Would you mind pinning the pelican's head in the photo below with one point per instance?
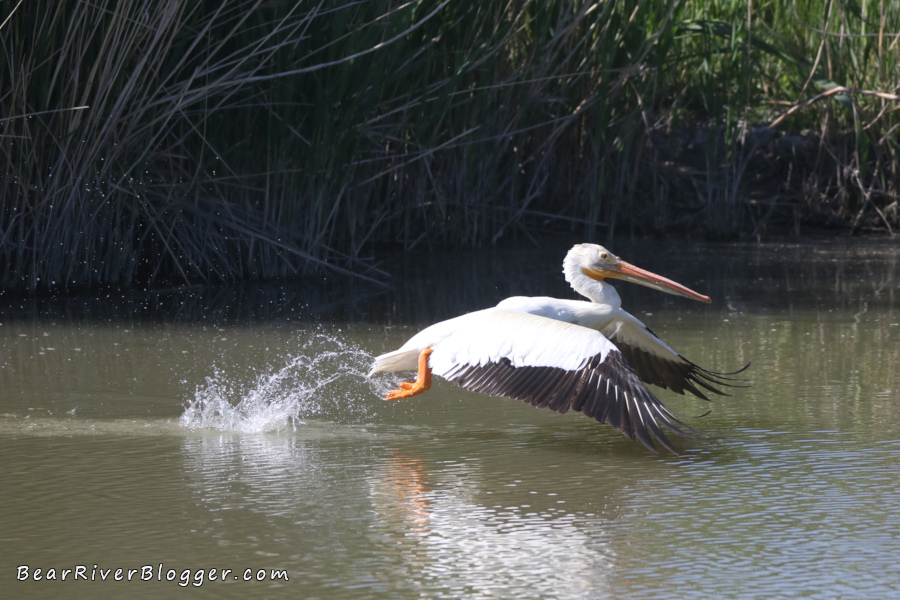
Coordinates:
(599, 263)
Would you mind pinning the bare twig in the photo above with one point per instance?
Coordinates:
(827, 94)
(43, 112)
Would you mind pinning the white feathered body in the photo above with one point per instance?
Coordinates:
(486, 336)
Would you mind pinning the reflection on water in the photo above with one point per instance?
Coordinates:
(252, 439)
(396, 524)
(450, 545)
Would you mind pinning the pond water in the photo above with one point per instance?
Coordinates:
(173, 433)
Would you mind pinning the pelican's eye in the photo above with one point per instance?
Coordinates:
(607, 257)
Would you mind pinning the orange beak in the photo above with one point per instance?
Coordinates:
(628, 272)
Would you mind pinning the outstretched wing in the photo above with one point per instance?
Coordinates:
(656, 363)
(556, 365)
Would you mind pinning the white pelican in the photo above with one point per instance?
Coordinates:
(565, 354)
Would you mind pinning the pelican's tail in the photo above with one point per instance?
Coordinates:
(404, 359)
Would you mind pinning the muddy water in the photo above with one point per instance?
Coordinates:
(166, 435)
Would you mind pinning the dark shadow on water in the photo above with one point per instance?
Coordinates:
(849, 273)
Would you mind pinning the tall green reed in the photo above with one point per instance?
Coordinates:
(777, 63)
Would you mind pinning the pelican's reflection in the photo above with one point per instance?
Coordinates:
(344, 514)
(451, 537)
(400, 495)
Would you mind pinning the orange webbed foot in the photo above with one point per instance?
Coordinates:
(422, 382)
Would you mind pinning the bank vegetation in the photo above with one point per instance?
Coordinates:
(172, 141)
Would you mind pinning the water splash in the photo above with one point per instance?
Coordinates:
(327, 380)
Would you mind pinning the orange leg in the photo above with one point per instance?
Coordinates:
(422, 382)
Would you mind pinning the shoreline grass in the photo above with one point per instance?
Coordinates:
(191, 142)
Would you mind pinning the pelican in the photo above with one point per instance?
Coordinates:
(587, 356)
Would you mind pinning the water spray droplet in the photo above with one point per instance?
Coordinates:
(328, 381)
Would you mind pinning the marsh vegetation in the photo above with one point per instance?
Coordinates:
(239, 139)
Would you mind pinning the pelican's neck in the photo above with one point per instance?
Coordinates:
(599, 292)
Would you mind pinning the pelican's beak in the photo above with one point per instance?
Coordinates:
(628, 272)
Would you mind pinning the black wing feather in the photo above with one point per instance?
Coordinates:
(679, 376)
(608, 389)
